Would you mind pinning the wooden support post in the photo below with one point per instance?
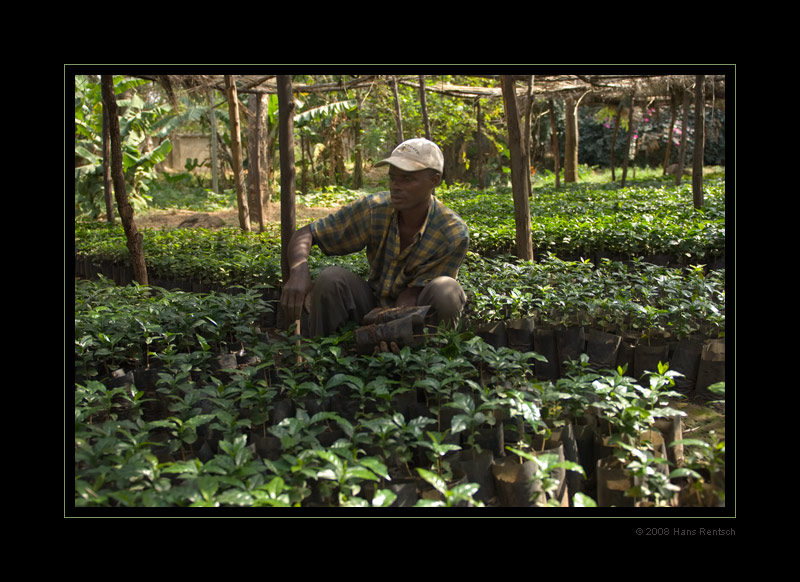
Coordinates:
(286, 136)
(522, 210)
(236, 151)
(132, 234)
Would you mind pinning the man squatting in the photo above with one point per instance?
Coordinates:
(414, 245)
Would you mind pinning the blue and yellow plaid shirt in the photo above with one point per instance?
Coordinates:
(370, 222)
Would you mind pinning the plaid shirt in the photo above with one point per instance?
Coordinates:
(371, 222)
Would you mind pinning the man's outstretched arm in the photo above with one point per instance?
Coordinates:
(298, 285)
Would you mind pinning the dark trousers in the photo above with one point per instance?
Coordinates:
(340, 296)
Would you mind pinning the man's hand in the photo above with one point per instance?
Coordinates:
(299, 283)
(408, 297)
(384, 347)
(294, 293)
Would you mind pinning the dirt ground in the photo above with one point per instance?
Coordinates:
(172, 218)
(702, 419)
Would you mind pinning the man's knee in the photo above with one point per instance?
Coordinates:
(445, 296)
(338, 296)
(331, 277)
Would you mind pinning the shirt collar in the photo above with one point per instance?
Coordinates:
(428, 218)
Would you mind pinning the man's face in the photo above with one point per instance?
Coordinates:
(411, 190)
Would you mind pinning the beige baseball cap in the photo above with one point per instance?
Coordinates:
(416, 154)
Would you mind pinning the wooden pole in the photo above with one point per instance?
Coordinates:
(479, 139)
(257, 148)
(684, 137)
(554, 145)
(699, 141)
(526, 136)
(626, 159)
(617, 121)
(673, 109)
(132, 234)
(236, 151)
(108, 190)
(286, 109)
(423, 105)
(522, 210)
(398, 114)
(570, 140)
(212, 119)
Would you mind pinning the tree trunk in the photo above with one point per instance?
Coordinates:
(132, 234)
(571, 140)
(303, 165)
(212, 120)
(673, 113)
(699, 141)
(108, 190)
(556, 149)
(526, 136)
(398, 116)
(236, 152)
(338, 165)
(423, 105)
(310, 157)
(479, 139)
(358, 162)
(684, 138)
(614, 140)
(257, 185)
(286, 140)
(522, 211)
(626, 159)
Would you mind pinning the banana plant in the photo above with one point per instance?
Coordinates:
(137, 121)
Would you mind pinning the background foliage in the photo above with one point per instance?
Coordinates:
(330, 123)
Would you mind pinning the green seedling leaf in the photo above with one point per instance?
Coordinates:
(459, 422)
(375, 466)
(383, 498)
(338, 465)
(190, 467)
(433, 479)
(684, 472)
(198, 420)
(359, 472)
(464, 491)
(208, 486)
(692, 443)
(583, 500)
(339, 379)
(203, 343)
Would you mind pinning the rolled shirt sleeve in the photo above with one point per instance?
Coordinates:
(370, 223)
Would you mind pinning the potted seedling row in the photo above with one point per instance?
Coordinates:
(210, 411)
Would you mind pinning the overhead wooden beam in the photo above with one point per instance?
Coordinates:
(604, 87)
